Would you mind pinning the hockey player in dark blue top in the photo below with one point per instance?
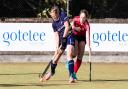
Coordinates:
(64, 40)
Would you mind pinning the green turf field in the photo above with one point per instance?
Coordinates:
(25, 76)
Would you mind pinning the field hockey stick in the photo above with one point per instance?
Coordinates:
(90, 66)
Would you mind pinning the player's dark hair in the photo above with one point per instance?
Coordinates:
(85, 11)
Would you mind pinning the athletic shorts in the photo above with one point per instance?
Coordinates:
(80, 38)
(70, 40)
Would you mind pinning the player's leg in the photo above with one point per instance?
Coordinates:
(70, 52)
(54, 62)
(70, 62)
(81, 48)
(75, 52)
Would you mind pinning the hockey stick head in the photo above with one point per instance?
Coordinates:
(41, 75)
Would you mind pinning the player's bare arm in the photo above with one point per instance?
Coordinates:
(67, 27)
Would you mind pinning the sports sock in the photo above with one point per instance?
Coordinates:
(77, 65)
(67, 65)
(71, 67)
(53, 67)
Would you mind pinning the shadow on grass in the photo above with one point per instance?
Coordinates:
(59, 84)
(20, 74)
(30, 84)
(105, 80)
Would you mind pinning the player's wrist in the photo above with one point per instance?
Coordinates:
(64, 43)
(77, 29)
(63, 39)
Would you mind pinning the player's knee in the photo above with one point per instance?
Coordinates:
(73, 56)
(63, 47)
(60, 52)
